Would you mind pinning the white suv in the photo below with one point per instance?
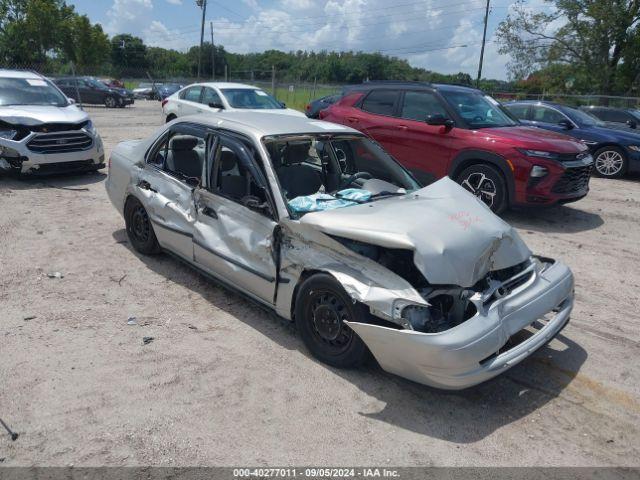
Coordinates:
(214, 97)
(41, 130)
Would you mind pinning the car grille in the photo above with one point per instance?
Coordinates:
(573, 180)
(60, 142)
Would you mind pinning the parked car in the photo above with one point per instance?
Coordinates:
(41, 131)
(214, 97)
(312, 110)
(92, 91)
(616, 151)
(628, 117)
(147, 91)
(317, 222)
(439, 130)
(167, 90)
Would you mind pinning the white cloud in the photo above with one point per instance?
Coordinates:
(128, 16)
(158, 35)
(175, 2)
(296, 4)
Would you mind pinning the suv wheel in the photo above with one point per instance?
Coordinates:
(110, 102)
(610, 162)
(486, 183)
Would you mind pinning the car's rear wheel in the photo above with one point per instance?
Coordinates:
(139, 228)
(610, 162)
(486, 183)
(110, 102)
(322, 307)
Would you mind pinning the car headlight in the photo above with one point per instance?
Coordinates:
(90, 127)
(538, 172)
(538, 154)
(635, 148)
(8, 134)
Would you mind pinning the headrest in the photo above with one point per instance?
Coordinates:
(181, 143)
(228, 160)
(296, 152)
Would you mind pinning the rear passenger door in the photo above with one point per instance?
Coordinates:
(235, 225)
(375, 117)
(165, 186)
(189, 103)
(210, 97)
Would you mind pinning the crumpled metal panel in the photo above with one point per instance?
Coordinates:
(456, 239)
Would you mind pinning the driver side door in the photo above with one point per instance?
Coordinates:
(232, 238)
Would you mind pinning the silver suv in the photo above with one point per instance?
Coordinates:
(41, 130)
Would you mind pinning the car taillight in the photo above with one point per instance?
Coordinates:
(164, 102)
(308, 107)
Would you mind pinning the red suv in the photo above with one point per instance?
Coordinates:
(438, 130)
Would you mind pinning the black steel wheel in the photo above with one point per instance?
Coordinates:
(486, 183)
(139, 229)
(322, 307)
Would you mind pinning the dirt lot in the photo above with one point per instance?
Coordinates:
(225, 383)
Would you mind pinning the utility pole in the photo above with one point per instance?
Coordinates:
(484, 38)
(202, 4)
(213, 55)
(273, 80)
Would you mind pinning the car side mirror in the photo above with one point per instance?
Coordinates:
(440, 120)
(566, 124)
(193, 182)
(216, 105)
(632, 124)
(71, 101)
(254, 203)
(283, 105)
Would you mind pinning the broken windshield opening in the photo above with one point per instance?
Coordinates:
(324, 172)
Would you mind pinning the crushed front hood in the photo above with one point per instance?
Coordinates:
(456, 239)
(30, 115)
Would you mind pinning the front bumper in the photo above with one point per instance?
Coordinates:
(473, 351)
(17, 157)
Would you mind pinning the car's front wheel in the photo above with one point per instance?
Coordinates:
(322, 307)
(110, 102)
(139, 228)
(610, 162)
(486, 183)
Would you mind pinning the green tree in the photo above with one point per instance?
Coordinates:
(128, 54)
(592, 38)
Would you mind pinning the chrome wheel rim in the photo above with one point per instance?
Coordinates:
(482, 187)
(110, 101)
(609, 163)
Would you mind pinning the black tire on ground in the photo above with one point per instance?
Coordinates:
(139, 228)
(486, 183)
(110, 102)
(171, 117)
(321, 306)
(610, 162)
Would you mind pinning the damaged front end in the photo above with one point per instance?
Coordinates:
(448, 295)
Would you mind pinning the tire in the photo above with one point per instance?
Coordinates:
(139, 228)
(486, 183)
(610, 162)
(171, 117)
(110, 102)
(322, 302)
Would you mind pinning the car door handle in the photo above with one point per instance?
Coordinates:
(403, 127)
(144, 185)
(209, 212)
(352, 120)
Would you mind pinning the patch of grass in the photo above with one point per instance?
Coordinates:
(300, 96)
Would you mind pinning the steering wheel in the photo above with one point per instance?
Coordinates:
(354, 177)
(478, 118)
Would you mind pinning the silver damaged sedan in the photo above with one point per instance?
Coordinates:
(317, 222)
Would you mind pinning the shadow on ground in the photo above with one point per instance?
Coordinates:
(557, 219)
(461, 417)
(76, 181)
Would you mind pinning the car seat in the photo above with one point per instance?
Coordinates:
(296, 178)
(182, 157)
(231, 183)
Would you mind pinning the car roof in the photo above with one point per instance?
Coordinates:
(260, 124)
(394, 85)
(226, 85)
(539, 102)
(6, 73)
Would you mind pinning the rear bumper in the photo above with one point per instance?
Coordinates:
(473, 351)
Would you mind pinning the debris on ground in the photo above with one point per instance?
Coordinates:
(30, 317)
(147, 340)
(14, 435)
(55, 275)
(132, 321)
(192, 327)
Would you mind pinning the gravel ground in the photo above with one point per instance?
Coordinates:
(225, 383)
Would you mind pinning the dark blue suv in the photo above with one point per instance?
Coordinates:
(616, 151)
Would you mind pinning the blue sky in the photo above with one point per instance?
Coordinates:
(441, 35)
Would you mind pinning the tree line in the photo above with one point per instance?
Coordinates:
(573, 46)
